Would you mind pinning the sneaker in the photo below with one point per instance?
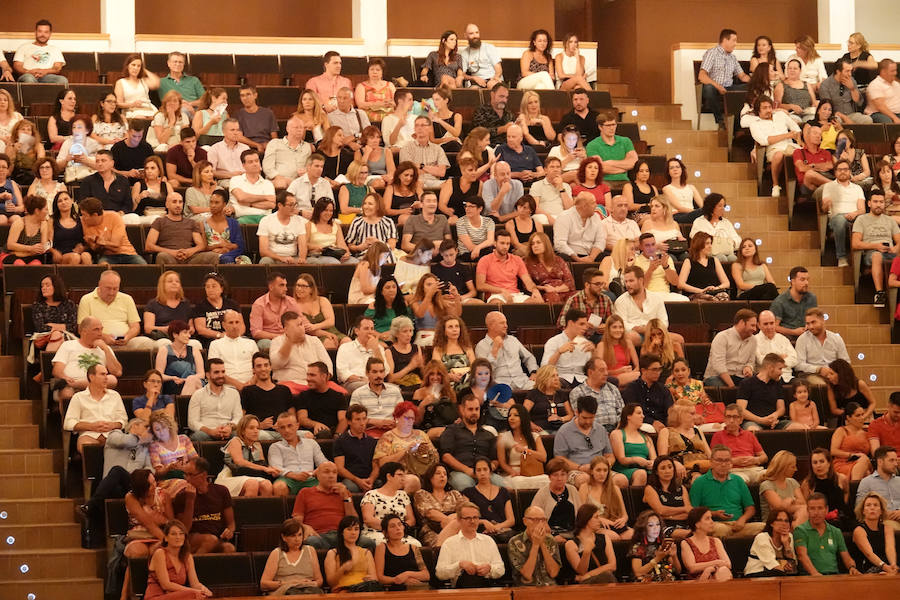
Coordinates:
(843, 262)
(776, 191)
(880, 299)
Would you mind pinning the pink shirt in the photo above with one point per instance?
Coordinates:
(264, 317)
(327, 88)
(502, 273)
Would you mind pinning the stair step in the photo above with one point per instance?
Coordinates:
(817, 275)
(693, 154)
(9, 388)
(855, 314)
(16, 437)
(42, 485)
(32, 461)
(875, 354)
(659, 135)
(865, 334)
(44, 535)
(614, 89)
(83, 588)
(608, 75)
(882, 393)
(42, 564)
(9, 365)
(30, 511)
(650, 112)
(16, 412)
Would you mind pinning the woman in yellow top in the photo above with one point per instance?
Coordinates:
(348, 567)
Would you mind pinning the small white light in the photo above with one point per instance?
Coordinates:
(643, 128)
(31, 596)
(861, 356)
(873, 377)
(737, 225)
(634, 113)
(3, 515)
(826, 316)
(24, 568)
(758, 242)
(668, 140)
(768, 260)
(678, 156)
(696, 173)
(10, 540)
(706, 191)
(727, 208)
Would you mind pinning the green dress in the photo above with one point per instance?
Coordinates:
(382, 323)
(315, 319)
(632, 449)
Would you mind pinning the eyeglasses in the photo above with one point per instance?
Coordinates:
(589, 442)
(608, 124)
(475, 518)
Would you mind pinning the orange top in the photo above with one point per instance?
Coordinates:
(112, 229)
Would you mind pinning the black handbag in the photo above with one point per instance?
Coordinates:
(333, 252)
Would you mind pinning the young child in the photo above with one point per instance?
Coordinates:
(802, 410)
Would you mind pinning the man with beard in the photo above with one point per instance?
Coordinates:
(878, 236)
(214, 410)
(582, 116)
(466, 440)
(497, 274)
(637, 307)
(176, 239)
(817, 348)
(378, 397)
(495, 117)
(481, 61)
(790, 306)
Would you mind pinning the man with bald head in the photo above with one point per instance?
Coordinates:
(320, 508)
(769, 341)
(578, 233)
(617, 225)
(506, 354)
(523, 160)
(73, 357)
(534, 554)
(117, 312)
(481, 61)
(501, 192)
(235, 350)
(285, 158)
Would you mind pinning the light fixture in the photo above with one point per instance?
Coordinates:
(696, 173)
(861, 356)
(758, 242)
(678, 156)
(10, 540)
(706, 191)
(737, 225)
(768, 260)
(643, 128)
(24, 568)
(873, 377)
(634, 113)
(825, 316)
(668, 140)
(727, 208)
(3, 514)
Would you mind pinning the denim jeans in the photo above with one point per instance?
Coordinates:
(841, 227)
(712, 99)
(49, 78)
(122, 259)
(877, 117)
(460, 481)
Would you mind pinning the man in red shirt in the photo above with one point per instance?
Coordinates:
(885, 430)
(322, 507)
(747, 454)
(813, 165)
(497, 275)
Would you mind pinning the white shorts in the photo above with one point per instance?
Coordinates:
(517, 298)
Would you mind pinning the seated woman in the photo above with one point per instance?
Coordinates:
(618, 352)
(654, 555)
(405, 445)
(704, 556)
(313, 117)
(772, 553)
(559, 500)
(373, 155)
(547, 404)
(11, 205)
(456, 191)
(399, 564)
(149, 508)
(590, 552)
(524, 225)
(874, 546)
(495, 398)
(180, 361)
(845, 386)
(443, 67)
(318, 312)
(349, 567)
(520, 452)
(633, 450)
(209, 314)
(197, 197)
(292, 568)
(829, 123)
(76, 155)
(29, 237)
(667, 496)
(435, 400)
(59, 125)
(550, 273)
(431, 302)
(171, 572)
(401, 196)
(46, 185)
(453, 348)
(795, 96)
(169, 452)
(474, 231)
(169, 120)
(211, 113)
(660, 343)
(390, 498)
(9, 116)
(570, 66)
(639, 192)
(684, 442)
(108, 124)
(702, 276)
(602, 492)
(407, 356)
(660, 223)
(389, 304)
(133, 89)
(536, 127)
(835, 486)
(338, 158)
(437, 503)
(849, 445)
(569, 149)
(778, 490)
(446, 125)
(353, 193)
(497, 518)
(245, 472)
(153, 400)
(590, 179)
(682, 196)
(325, 237)
(371, 225)
(375, 95)
(725, 239)
(66, 232)
(149, 194)
(751, 276)
(764, 54)
(223, 233)
(536, 65)
(367, 274)
(54, 316)
(169, 305)
(477, 145)
(683, 387)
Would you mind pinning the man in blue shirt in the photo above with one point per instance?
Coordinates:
(523, 160)
(580, 440)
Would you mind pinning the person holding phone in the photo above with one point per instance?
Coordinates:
(570, 152)
(654, 556)
(878, 236)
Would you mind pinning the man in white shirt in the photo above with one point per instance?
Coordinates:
(843, 200)
(637, 307)
(252, 195)
(883, 93)
(506, 354)
(296, 457)
(286, 158)
(398, 127)
(225, 155)
(351, 359)
(215, 409)
(578, 232)
(235, 350)
(282, 234)
(553, 195)
(428, 157)
(732, 354)
(293, 350)
(817, 347)
(481, 62)
(780, 135)
(95, 411)
(311, 186)
(769, 341)
(501, 193)
(38, 61)
(617, 225)
(570, 351)
(351, 120)
(378, 397)
(74, 357)
(470, 559)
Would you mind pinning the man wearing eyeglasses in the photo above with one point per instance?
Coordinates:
(213, 525)
(591, 301)
(534, 554)
(747, 455)
(727, 496)
(841, 90)
(470, 559)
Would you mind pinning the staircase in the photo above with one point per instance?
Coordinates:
(40, 540)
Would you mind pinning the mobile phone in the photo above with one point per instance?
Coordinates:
(853, 458)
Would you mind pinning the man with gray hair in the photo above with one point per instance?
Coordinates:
(188, 86)
(428, 157)
(523, 160)
(117, 312)
(534, 554)
(225, 155)
(501, 192)
(578, 233)
(73, 357)
(351, 120)
(285, 158)
(506, 354)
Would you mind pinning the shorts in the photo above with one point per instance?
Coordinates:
(518, 298)
(887, 257)
(788, 149)
(295, 486)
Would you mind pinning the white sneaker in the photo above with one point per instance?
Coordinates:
(776, 191)
(842, 262)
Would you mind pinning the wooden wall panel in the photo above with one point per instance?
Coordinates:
(497, 19)
(69, 16)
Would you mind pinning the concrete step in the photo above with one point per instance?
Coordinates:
(882, 393)
(693, 154)
(9, 365)
(719, 170)
(864, 334)
(40, 485)
(43, 535)
(875, 354)
(31, 461)
(9, 388)
(44, 564)
(886, 375)
(614, 89)
(640, 112)
(608, 75)
(14, 437)
(83, 588)
(855, 314)
(680, 139)
(31, 511)
(16, 412)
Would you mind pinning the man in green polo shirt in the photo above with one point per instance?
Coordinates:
(616, 152)
(819, 544)
(188, 86)
(727, 496)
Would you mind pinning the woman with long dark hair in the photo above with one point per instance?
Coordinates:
(520, 452)
(764, 54)
(590, 552)
(54, 316)
(654, 555)
(66, 232)
(348, 567)
(172, 575)
(772, 553)
(751, 276)
(844, 387)
(387, 306)
(704, 556)
(703, 276)
(834, 486)
(109, 124)
(443, 67)
(667, 495)
(536, 66)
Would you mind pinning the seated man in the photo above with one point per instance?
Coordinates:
(212, 527)
(95, 411)
(569, 351)
(282, 234)
(769, 341)
(353, 357)
(883, 93)
(464, 441)
(351, 120)
(617, 225)
(398, 128)
(878, 237)
(813, 165)
(428, 225)
(578, 232)
(322, 506)
(497, 274)
(225, 155)
(188, 86)
(523, 161)
(552, 194)
(428, 156)
(310, 186)
(495, 116)
(501, 193)
(118, 313)
(747, 455)
(617, 152)
(326, 85)
(296, 457)
(293, 350)
(129, 154)
(718, 70)
(265, 315)
(321, 408)
(580, 440)
(285, 158)
(469, 559)
(592, 302)
(73, 357)
(265, 398)
(105, 234)
(378, 397)
(790, 306)
(38, 61)
(235, 350)
(177, 239)
(651, 394)
(506, 354)
(885, 430)
(534, 554)
(659, 269)
(111, 188)
(884, 481)
(843, 92)
(727, 496)
(582, 116)
(761, 397)
(637, 307)
(818, 347)
(780, 135)
(819, 544)
(597, 386)
(215, 409)
(258, 124)
(732, 354)
(181, 158)
(843, 200)
(252, 195)
(354, 452)
(481, 61)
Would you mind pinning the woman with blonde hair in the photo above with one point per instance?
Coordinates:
(864, 66)
(317, 312)
(618, 352)
(245, 472)
(203, 184)
(312, 115)
(168, 305)
(661, 224)
(683, 441)
(812, 68)
(536, 127)
(622, 256)
(169, 451)
(658, 342)
(9, 116)
(547, 405)
(165, 128)
(368, 273)
(600, 491)
(778, 490)
(133, 89)
(435, 399)
(570, 66)
(873, 539)
(548, 270)
(354, 192)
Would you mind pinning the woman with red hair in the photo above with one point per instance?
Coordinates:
(406, 445)
(590, 179)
